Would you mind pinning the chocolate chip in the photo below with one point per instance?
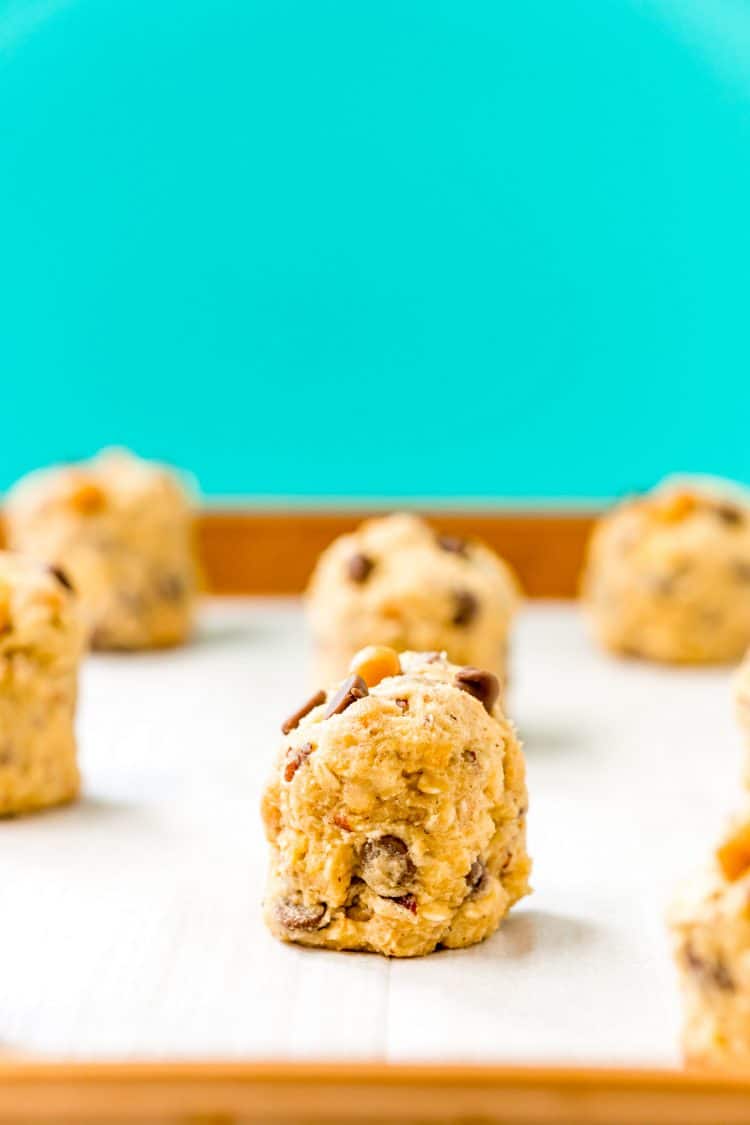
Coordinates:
(729, 514)
(294, 720)
(475, 874)
(296, 916)
(171, 587)
(360, 567)
(482, 685)
(409, 902)
(714, 973)
(387, 866)
(661, 584)
(453, 543)
(350, 691)
(298, 757)
(58, 573)
(358, 910)
(466, 607)
(402, 704)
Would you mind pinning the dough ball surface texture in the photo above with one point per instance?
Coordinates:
(41, 641)
(710, 927)
(122, 530)
(667, 576)
(396, 582)
(398, 823)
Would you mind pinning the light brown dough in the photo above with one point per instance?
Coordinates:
(399, 824)
(667, 576)
(41, 640)
(122, 529)
(395, 582)
(710, 928)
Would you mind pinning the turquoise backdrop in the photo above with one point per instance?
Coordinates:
(395, 247)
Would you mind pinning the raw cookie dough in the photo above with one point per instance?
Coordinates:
(668, 576)
(710, 926)
(397, 814)
(121, 528)
(395, 582)
(41, 640)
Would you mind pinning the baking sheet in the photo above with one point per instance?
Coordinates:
(131, 925)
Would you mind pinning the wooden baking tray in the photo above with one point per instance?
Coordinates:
(271, 553)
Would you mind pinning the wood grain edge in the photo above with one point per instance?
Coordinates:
(273, 552)
(251, 1094)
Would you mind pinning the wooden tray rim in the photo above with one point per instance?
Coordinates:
(269, 1091)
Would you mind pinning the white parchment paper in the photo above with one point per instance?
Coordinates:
(130, 924)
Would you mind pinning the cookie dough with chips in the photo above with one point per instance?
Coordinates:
(122, 530)
(41, 641)
(667, 576)
(710, 926)
(396, 813)
(395, 582)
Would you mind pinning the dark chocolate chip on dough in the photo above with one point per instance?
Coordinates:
(294, 720)
(360, 567)
(351, 690)
(482, 685)
(466, 607)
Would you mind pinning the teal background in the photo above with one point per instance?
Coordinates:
(468, 248)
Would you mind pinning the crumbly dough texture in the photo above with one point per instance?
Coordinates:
(415, 594)
(667, 576)
(41, 640)
(122, 529)
(710, 929)
(398, 825)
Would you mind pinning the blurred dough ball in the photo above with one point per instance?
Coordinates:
(121, 528)
(709, 923)
(41, 642)
(667, 575)
(395, 582)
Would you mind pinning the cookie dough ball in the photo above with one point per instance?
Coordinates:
(41, 640)
(395, 582)
(397, 811)
(710, 926)
(122, 529)
(668, 576)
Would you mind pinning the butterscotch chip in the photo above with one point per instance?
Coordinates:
(408, 824)
(5, 610)
(734, 854)
(120, 531)
(87, 497)
(374, 663)
(676, 506)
